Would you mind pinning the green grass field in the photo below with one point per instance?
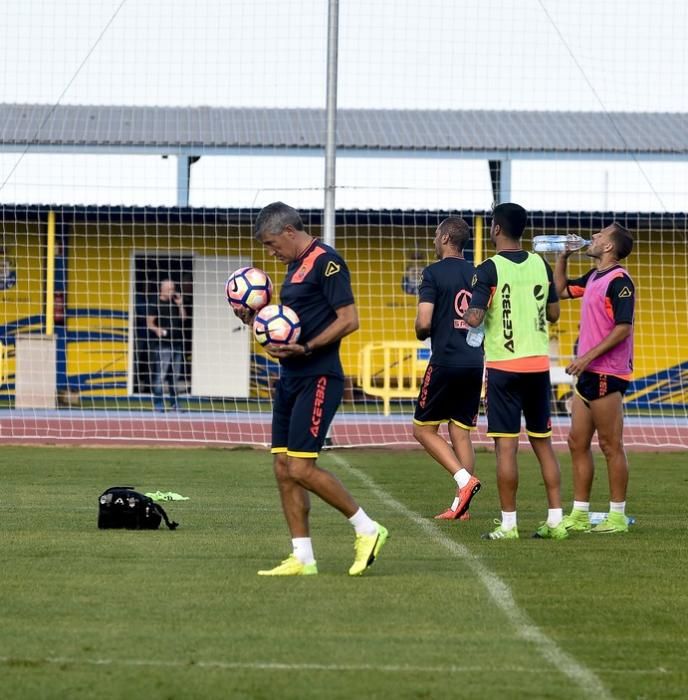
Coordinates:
(116, 614)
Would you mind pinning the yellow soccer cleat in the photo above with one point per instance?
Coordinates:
(577, 521)
(367, 548)
(291, 566)
(614, 523)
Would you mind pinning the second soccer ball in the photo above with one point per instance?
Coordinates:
(276, 324)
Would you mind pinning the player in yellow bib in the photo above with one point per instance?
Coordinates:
(515, 296)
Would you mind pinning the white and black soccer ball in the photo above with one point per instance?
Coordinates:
(248, 288)
(276, 324)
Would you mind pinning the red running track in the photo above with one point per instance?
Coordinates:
(194, 430)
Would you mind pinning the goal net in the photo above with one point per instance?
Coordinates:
(137, 145)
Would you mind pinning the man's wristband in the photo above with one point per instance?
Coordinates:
(307, 350)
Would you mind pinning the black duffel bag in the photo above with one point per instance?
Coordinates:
(120, 507)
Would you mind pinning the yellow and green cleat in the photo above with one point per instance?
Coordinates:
(577, 521)
(613, 523)
(499, 533)
(366, 548)
(291, 566)
(545, 532)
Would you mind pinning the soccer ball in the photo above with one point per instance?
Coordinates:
(248, 288)
(276, 324)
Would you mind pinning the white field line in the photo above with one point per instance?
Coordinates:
(272, 666)
(498, 590)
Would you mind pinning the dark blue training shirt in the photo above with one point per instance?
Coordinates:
(447, 285)
(317, 284)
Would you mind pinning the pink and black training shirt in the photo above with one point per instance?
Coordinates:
(608, 300)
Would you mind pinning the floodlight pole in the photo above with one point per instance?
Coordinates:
(331, 136)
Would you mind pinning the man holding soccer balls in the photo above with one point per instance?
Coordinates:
(318, 308)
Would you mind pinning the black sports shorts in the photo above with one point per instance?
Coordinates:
(449, 394)
(511, 393)
(591, 385)
(302, 411)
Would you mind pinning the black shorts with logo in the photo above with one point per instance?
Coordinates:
(302, 411)
(510, 394)
(449, 393)
(592, 385)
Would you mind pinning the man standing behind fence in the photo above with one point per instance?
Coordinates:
(165, 319)
(603, 365)
(450, 392)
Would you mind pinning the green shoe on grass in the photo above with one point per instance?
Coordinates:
(613, 523)
(367, 548)
(545, 532)
(577, 521)
(291, 566)
(499, 533)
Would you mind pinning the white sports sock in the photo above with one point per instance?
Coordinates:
(509, 520)
(302, 548)
(582, 505)
(617, 507)
(363, 525)
(462, 477)
(554, 517)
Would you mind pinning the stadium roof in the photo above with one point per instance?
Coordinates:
(213, 128)
(676, 222)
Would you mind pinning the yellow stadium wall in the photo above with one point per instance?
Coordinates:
(98, 278)
(23, 250)
(26, 251)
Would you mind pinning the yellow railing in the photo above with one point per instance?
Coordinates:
(392, 370)
(4, 365)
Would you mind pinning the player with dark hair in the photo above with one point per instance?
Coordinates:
(450, 392)
(603, 365)
(514, 293)
(311, 385)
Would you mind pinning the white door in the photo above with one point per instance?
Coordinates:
(221, 347)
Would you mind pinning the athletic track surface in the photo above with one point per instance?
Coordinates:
(129, 428)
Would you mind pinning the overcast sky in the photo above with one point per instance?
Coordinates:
(430, 54)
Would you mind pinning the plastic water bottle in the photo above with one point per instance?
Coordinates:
(475, 336)
(559, 244)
